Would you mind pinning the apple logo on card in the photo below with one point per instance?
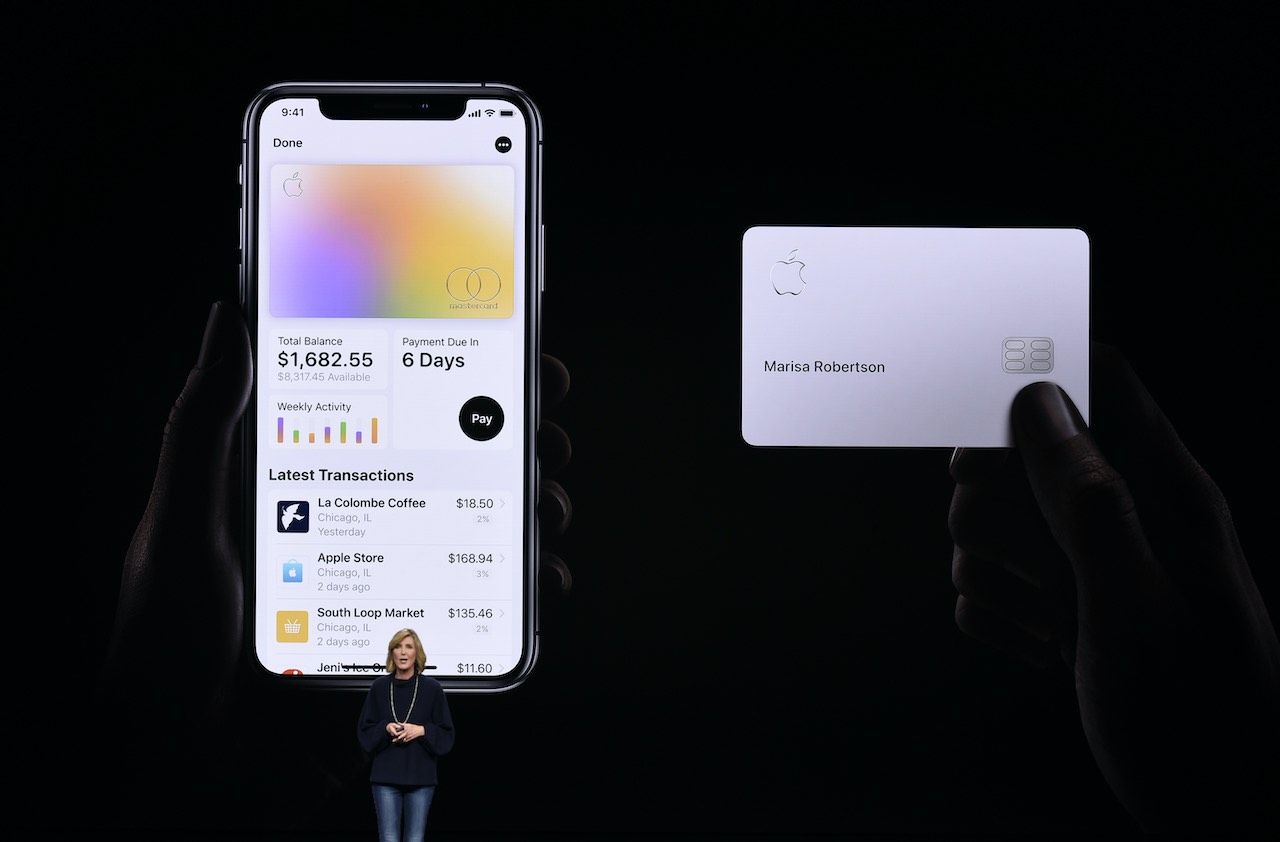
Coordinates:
(293, 186)
(787, 275)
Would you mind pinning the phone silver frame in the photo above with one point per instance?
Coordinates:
(533, 353)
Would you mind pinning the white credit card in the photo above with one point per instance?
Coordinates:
(907, 337)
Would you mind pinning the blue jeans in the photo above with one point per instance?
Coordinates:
(408, 802)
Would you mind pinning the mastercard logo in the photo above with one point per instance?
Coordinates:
(467, 284)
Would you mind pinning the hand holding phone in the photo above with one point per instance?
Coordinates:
(156, 678)
(183, 543)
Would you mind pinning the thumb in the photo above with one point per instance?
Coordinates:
(182, 543)
(1088, 506)
(191, 493)
(198, 436)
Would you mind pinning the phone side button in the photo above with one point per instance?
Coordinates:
(537, 550)
(542, 258)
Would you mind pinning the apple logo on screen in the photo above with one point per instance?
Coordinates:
(293, 186)
(787, 275)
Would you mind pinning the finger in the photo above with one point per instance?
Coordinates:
(554, 447)
(1090, 512)
(555, 381)
(1001, 522)
(555, 510)
(970, 465)
(992, 587)
(995, 631)
(1131, 418)
(1180, 502)
(556, 567)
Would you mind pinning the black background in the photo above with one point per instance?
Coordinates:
(757, 640)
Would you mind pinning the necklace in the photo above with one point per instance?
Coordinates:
(391, 688)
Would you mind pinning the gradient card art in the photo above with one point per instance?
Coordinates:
(391, 241)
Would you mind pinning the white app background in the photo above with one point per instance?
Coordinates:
(442, 552)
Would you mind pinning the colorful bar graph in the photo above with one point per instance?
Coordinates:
(325, 435)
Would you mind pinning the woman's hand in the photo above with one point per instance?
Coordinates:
(394, 729)
(409, 732)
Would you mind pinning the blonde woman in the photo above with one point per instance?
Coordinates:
(405, 725)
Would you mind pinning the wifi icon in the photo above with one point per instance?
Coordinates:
(489, 112)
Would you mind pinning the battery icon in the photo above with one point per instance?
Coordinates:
(507, 113)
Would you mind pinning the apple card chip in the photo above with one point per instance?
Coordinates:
(907, 337)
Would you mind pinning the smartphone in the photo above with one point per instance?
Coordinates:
(391, 278)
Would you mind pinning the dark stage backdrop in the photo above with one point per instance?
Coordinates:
(756, 640)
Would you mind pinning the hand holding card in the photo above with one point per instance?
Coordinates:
(1111, 545)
